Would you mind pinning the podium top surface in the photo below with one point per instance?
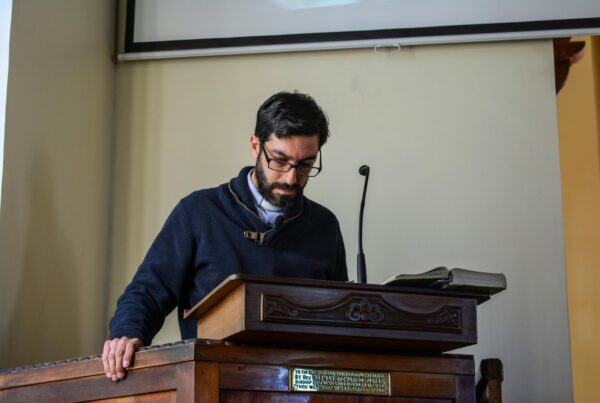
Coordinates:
(233, 281)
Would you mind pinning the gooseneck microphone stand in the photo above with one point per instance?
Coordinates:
(361, 264)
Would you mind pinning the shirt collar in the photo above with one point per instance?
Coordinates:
(266, 211)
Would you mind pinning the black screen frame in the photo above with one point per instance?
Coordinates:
(464, 31)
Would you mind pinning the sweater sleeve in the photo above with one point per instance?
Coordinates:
(341, 271)
(157, 285)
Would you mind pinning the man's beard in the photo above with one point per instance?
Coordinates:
(266, 190)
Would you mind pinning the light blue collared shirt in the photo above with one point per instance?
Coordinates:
(266, 211)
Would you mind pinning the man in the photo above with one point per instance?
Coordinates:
(258, 223)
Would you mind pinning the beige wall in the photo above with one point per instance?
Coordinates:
(579, 128)
(461, 140)
(463, 148)
(55, 195)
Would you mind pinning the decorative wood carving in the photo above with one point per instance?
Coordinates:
(48, 364)
(361, 311)
(365, 310)
(316, 312)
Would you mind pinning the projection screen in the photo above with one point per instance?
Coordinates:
(180, 28)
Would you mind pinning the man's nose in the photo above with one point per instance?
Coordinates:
(291, 177)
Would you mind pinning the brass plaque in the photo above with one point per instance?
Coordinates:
(339, 381)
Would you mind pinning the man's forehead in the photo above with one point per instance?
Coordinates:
(295, 144)
(294, 138)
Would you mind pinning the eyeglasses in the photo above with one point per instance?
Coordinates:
(284, 166)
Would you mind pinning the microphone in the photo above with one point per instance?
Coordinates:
(278, 221)
(361, 264)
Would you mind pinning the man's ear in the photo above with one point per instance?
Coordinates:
(254, 146)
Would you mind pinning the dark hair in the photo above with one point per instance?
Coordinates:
(291, 113)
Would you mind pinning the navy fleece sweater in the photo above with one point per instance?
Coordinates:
(202, 242)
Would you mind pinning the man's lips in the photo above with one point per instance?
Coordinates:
(286, 192)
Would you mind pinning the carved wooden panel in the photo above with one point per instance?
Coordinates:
(358, 310)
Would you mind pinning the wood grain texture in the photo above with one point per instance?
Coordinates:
(363, 311)
(275, 379)
(198, 382)
(465, 389)
(423, 385)
(267, 397)
(206, 371)
(225, 318)
(255, 354)
(96, 387)
(254, 377)
(158, 397)
(89, 366)
(233, 281)
(351, 327)
(335, 313)
(406, 317)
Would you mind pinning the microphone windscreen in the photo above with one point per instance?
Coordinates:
(364, 170)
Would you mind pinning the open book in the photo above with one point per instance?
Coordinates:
(455, 279)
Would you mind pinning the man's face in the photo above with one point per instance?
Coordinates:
(283, 189)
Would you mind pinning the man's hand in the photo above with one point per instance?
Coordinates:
(117, 356)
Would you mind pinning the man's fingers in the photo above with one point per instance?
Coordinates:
(111, 359)
(105, 358)
(129, 350)
(117, 356)
(121, 347)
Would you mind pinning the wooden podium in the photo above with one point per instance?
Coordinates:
(283, 340)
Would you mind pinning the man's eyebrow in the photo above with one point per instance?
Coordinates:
(282, 155)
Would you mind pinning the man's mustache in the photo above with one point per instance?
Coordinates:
(285, 186)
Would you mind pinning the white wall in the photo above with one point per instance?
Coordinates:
(55, 191)
(463, 148)
(5, 14)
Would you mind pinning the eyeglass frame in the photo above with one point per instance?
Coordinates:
(290, 165)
